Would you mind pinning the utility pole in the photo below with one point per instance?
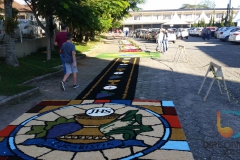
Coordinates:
(194, 12)
(229, 10)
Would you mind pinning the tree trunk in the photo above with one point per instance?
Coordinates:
(48, 36)
(92, 36)
(10, 51)
(10, 57)
(51, 29)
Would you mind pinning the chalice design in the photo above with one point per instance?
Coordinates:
(91, 120)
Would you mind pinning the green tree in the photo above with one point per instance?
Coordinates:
(188, 6)
(211, 21)
(207, 4)
(47, 9)
(203, 4)
(231, 23)
(84, 17)
(202, 23)
(195, 24)
(222, 21)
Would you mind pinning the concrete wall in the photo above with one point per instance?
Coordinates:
(27, 47)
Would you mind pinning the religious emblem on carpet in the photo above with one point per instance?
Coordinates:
(103, 129)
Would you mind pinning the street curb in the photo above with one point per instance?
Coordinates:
(19, 97)
(32, 92)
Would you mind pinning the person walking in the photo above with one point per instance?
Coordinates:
(165, 41)
(209, 33)
(126, 33)
(160, 40)
(204, 33)
(59, 40)
(69, 51)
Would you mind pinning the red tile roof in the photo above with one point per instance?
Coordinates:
(19, 7)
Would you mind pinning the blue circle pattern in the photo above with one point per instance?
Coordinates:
(158, 145)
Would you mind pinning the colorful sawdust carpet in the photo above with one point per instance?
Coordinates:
(117, 81)
(129, 55)
(96, 129)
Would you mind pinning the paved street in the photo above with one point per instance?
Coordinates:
(163, 79)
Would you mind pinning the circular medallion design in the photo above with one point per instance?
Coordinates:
(118, 72)
(128, 55)
(99, 129)
(110, 87)
(99, 111)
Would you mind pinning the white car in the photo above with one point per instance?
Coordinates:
(234, 37)
(171, 36)
(198, 31)
(191, 31)
(182, 33)
(223, 35)
(27, 27)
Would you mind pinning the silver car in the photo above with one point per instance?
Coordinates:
(224, 34)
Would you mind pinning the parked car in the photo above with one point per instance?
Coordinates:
(198, 31)
(142, 33)
(172, 36)
(224, 34)
(216, 32)
(182, 33)
(39, 31)
(27, 27)
(221, 30)
(190, 31)
(234, 37)
(152, 34)
(213, 30)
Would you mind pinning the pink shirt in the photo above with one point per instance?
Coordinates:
(60, 39)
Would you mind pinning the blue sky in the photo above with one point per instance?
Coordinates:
(175, 4)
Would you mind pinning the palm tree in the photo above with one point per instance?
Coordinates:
(10, 50)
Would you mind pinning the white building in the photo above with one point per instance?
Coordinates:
(156, 18)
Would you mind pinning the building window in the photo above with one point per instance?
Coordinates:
(219, 15)
(156, 25)
(208, 15)
(146, 17)
(167, 16)
(154, 17)
(129, 19)
(186, 16)
(159, 17)
(147, 26)
(136, 17)
(137, 26)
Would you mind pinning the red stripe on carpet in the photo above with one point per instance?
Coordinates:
(6, 131)
(173, 121)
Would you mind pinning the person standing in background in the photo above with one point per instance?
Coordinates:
(165, 41)
(204, 33)
(126, 33)
(59, 40)
(209, 33)
(160, 40)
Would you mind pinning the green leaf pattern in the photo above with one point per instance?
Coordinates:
(40, 131)
(130, 125)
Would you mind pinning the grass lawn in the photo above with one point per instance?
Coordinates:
(129, 54)
(31, 66)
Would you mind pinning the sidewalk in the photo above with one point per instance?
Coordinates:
(162, 79)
